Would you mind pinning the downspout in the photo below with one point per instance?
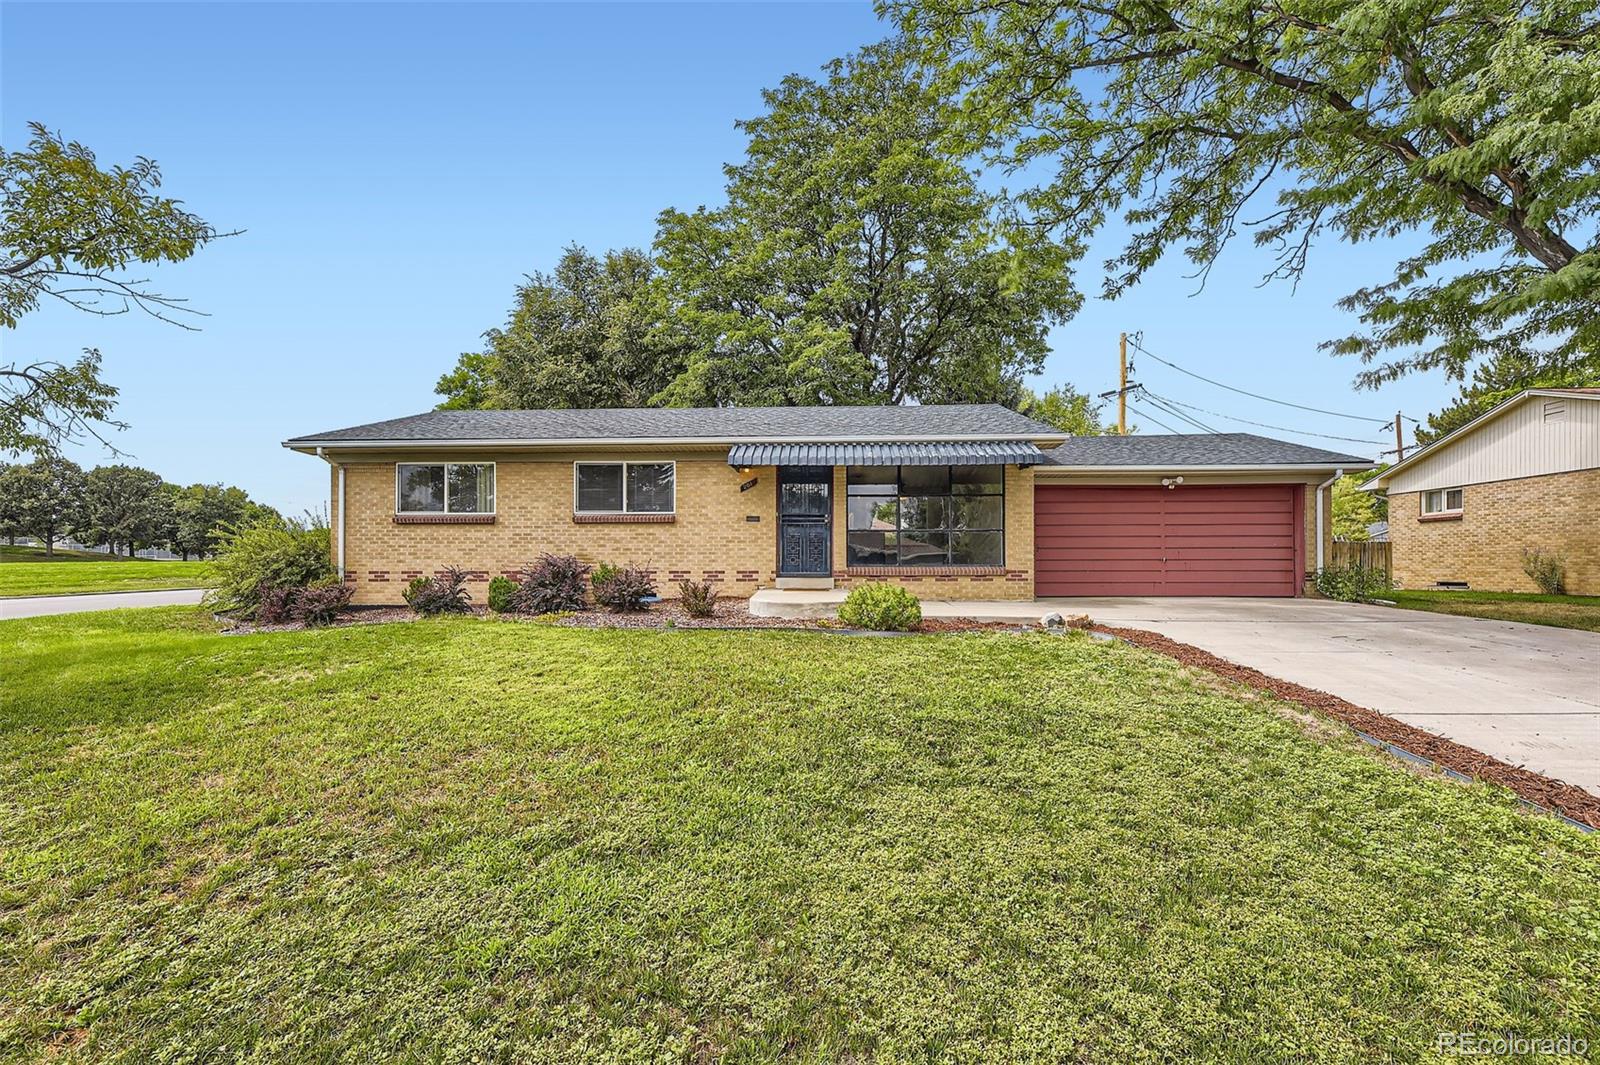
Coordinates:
(339, 532)
(341, 523)
(1320, 518)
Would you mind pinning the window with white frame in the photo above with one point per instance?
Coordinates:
(624, 487)
(1442, 501)
(444, 488)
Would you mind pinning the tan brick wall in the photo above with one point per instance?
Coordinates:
(1015, 583)
(1559, 512)
(709, 540)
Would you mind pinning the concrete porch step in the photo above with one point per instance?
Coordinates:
(810, 605)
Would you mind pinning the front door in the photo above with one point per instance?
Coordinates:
(805, 521)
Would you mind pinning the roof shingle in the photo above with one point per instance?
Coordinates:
(1192, 449)
(705, 423)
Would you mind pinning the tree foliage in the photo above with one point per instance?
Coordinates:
(589, 334)
(125, 508)
(202, 512)
(1470, 128)
(1065, 408)
(856, 258)
(45, 498)
(1355, 508)
(69, 232)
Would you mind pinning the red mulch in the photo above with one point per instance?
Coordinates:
(1568, 799)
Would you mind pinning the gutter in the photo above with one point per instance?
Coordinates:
(310, 443)
(1321, 519)
(1261, 467)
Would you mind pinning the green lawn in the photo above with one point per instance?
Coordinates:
(32, 575)
(1565, 611)
(27, 553)
(484, 841)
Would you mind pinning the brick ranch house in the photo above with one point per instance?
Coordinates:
(1525, 474)
(973, 502)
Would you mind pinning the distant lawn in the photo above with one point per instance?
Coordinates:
(119, 575)
(1565, 611)
(25, 553)
(473, 840)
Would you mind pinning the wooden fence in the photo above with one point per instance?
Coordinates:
(1366, 554)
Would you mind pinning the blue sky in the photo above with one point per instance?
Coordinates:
(397, 168)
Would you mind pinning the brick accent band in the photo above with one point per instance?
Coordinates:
(444, 519)
(624, 519)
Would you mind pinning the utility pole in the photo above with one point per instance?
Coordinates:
(1399, 440)
(1122, 389)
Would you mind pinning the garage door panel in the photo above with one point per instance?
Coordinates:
(1147, 540)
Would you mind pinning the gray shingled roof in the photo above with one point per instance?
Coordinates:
(707, 423)
(1192, 449)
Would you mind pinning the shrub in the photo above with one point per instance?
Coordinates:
(1353, 584)
(699, 598)
(552, 585)
(444, 594)
(320, 604)
(256, 557)
(885, 607)
(621, 589)
(501, 590)
(273, 605)
(1547, 569)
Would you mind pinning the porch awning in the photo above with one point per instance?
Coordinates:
(963, 453)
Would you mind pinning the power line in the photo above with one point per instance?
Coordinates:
(1158, 421)
(1256, 395)
(1263, 425)
(1164, 404)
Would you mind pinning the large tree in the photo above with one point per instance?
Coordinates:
(125, 508)
(1470, 128)
(856, 258)
(588, 334)
(48, 498)
(69, 232)
(201, 513)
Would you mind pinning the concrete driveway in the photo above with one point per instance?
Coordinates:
(1527, 694)
(36, 606)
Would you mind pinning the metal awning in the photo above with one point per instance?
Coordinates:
(967, 453)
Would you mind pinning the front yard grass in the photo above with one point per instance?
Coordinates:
(1563, 611)
(59, 577)
(482, 841)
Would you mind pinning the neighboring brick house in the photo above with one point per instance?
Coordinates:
(960, 501)
(1522, 476)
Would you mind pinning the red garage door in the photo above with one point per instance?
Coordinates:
(1149, 540)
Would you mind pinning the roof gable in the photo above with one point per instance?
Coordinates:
(1463, 432)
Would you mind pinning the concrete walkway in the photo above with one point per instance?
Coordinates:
(38, 606)
(1527, 694)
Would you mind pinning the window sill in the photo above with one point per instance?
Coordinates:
(623, 519)
(444, 519)
(1449, 515)
(931, 571)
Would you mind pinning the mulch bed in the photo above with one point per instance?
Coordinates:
(730, 614)
(1568, 799)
